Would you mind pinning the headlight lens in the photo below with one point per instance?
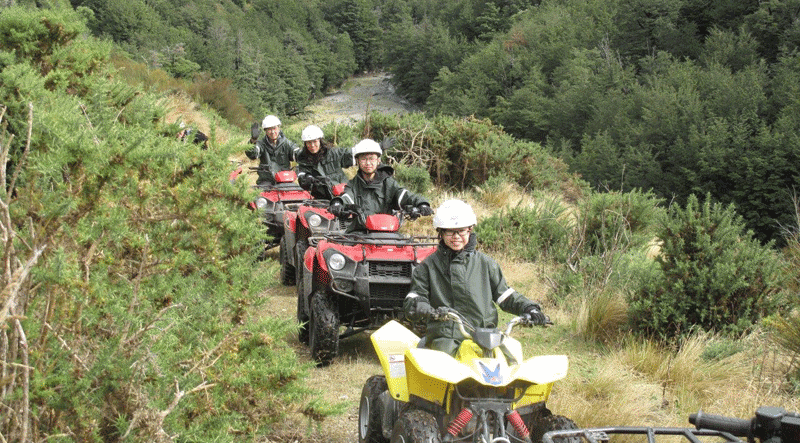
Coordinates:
(336, 262)
(261, 202)
(314, 220)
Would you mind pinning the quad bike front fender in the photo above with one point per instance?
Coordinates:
(308, 273)
(542, 369)
(391, 342)
(290, 223)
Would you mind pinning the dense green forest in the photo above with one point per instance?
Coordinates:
(681, 96)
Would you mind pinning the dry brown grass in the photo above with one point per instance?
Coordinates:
(602, 315)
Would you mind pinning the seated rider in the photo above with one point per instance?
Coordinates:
(373, 189)
(461, 278)
(274, 151)
(319, 159)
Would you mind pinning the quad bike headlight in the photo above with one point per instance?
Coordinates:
(261, 202)
(336, 262)
(315, 220)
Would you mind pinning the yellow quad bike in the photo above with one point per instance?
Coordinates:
(488, 393)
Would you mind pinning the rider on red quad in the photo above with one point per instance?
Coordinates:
(274, 151)
(319, 159)
(374, 189)
(460, 278)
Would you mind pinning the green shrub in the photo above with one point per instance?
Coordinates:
(616, 221)
(542, 231)
(413, 178)
(131, 272)
(465, 152)
(714, 275)
(785, 324)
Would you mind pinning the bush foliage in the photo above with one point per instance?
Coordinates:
(129, 269)
(466, 152)
(714, 275)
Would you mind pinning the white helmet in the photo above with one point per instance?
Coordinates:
(367, 146)
(270, 121)
(311, 132)
(454, 214)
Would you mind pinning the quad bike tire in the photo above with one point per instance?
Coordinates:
(416, 426)
(542, 424)
(302, 315)
(324, 330)
(287, 270)
(301, 246)
(370, 412)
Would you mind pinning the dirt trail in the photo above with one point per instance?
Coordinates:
(360, 95)
(340, 382)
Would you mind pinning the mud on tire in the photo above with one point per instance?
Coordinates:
(370, 412)
(324, 330)
(542, 424)
(301, 246)
(416, 426)
(302, 314)
(287, 270)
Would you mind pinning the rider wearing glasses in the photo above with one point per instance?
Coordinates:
(461, 278)
(374, 189)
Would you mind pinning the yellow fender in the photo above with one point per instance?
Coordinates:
(429, 374)
(391, 342)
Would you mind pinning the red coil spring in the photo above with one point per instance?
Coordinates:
(518, 424)
(459, 422)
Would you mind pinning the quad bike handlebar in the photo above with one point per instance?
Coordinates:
(769, 425)
(466, 329)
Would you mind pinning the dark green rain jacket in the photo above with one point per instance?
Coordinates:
(330, 164)
(279, 157)
(468, 281)
(381, 195)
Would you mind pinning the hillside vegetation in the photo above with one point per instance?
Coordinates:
(682, 96)
(131, 294)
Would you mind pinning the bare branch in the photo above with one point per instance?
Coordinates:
(11, 290)
(26, 377)
(94, 136)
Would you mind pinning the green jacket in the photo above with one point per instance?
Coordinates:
(381, 195)
(468, 281)
(277, 157)
(330, 164)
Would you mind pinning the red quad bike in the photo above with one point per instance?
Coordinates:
(770, 424)
(274, 201)
(356, 280)
(309, 222)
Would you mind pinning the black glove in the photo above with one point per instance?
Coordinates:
(442, 311)
(336, 209)
(425, 210)
(255, 131)
(425, 311)
(305, 181)
(535, 316)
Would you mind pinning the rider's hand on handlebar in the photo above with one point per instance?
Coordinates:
(336, 209)
(425, 311)
(425, 209)
(535, 317)
(305, 181)
(441, 312)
